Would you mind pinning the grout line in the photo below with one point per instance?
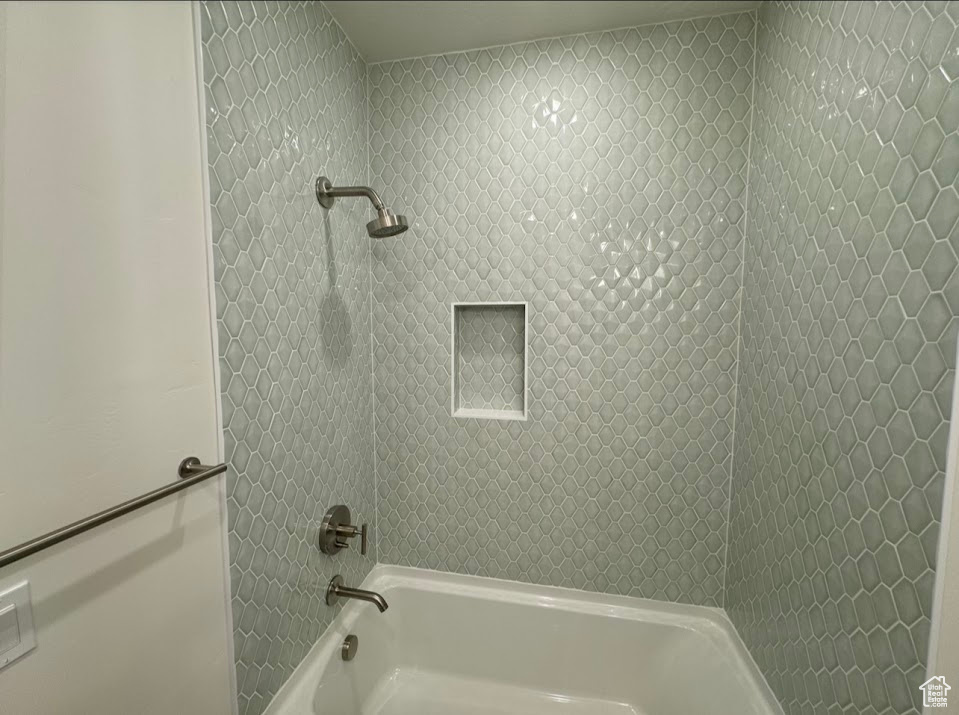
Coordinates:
(369, 120)
(742, 296)
(369, 179)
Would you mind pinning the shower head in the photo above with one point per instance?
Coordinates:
(385, 224)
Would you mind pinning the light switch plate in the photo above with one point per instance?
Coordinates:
(17, 637)
(9, 628)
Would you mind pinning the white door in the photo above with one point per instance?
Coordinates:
(107, 360)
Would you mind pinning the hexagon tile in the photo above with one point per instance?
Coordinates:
(286, 99)
(848, 350)
(602, 179)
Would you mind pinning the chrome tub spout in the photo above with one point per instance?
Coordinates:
(336, 590)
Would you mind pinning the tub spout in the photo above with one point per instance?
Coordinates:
(336, 590)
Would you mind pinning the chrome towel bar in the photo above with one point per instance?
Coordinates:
(190, 471)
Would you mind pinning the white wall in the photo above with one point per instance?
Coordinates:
(106, 360)
(944, 641)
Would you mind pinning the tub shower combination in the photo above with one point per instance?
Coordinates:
(643, 389)
(477, 646)
(481, 646)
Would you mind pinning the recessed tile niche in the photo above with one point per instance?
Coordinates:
(489, 361)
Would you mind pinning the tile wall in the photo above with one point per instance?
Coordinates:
(287, 100)
(848, 349)
(602, 179)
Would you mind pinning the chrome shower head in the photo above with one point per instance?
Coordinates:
(385, 224)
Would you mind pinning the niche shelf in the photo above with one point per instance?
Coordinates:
(490, 358)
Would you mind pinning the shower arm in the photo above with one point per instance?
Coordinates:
(385, 224)
(335, 192)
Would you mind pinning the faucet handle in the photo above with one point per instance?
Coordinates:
(348, 532)
(336, 529)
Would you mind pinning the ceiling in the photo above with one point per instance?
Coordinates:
(412, 28)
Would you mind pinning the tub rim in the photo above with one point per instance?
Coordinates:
(708, 621)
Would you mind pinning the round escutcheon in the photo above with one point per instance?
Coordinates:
(350, 645)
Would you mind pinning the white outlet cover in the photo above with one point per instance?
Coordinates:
(16, 623)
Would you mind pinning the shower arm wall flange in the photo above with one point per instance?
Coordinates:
(327, 194)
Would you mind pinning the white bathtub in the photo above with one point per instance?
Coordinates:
(461, 645)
